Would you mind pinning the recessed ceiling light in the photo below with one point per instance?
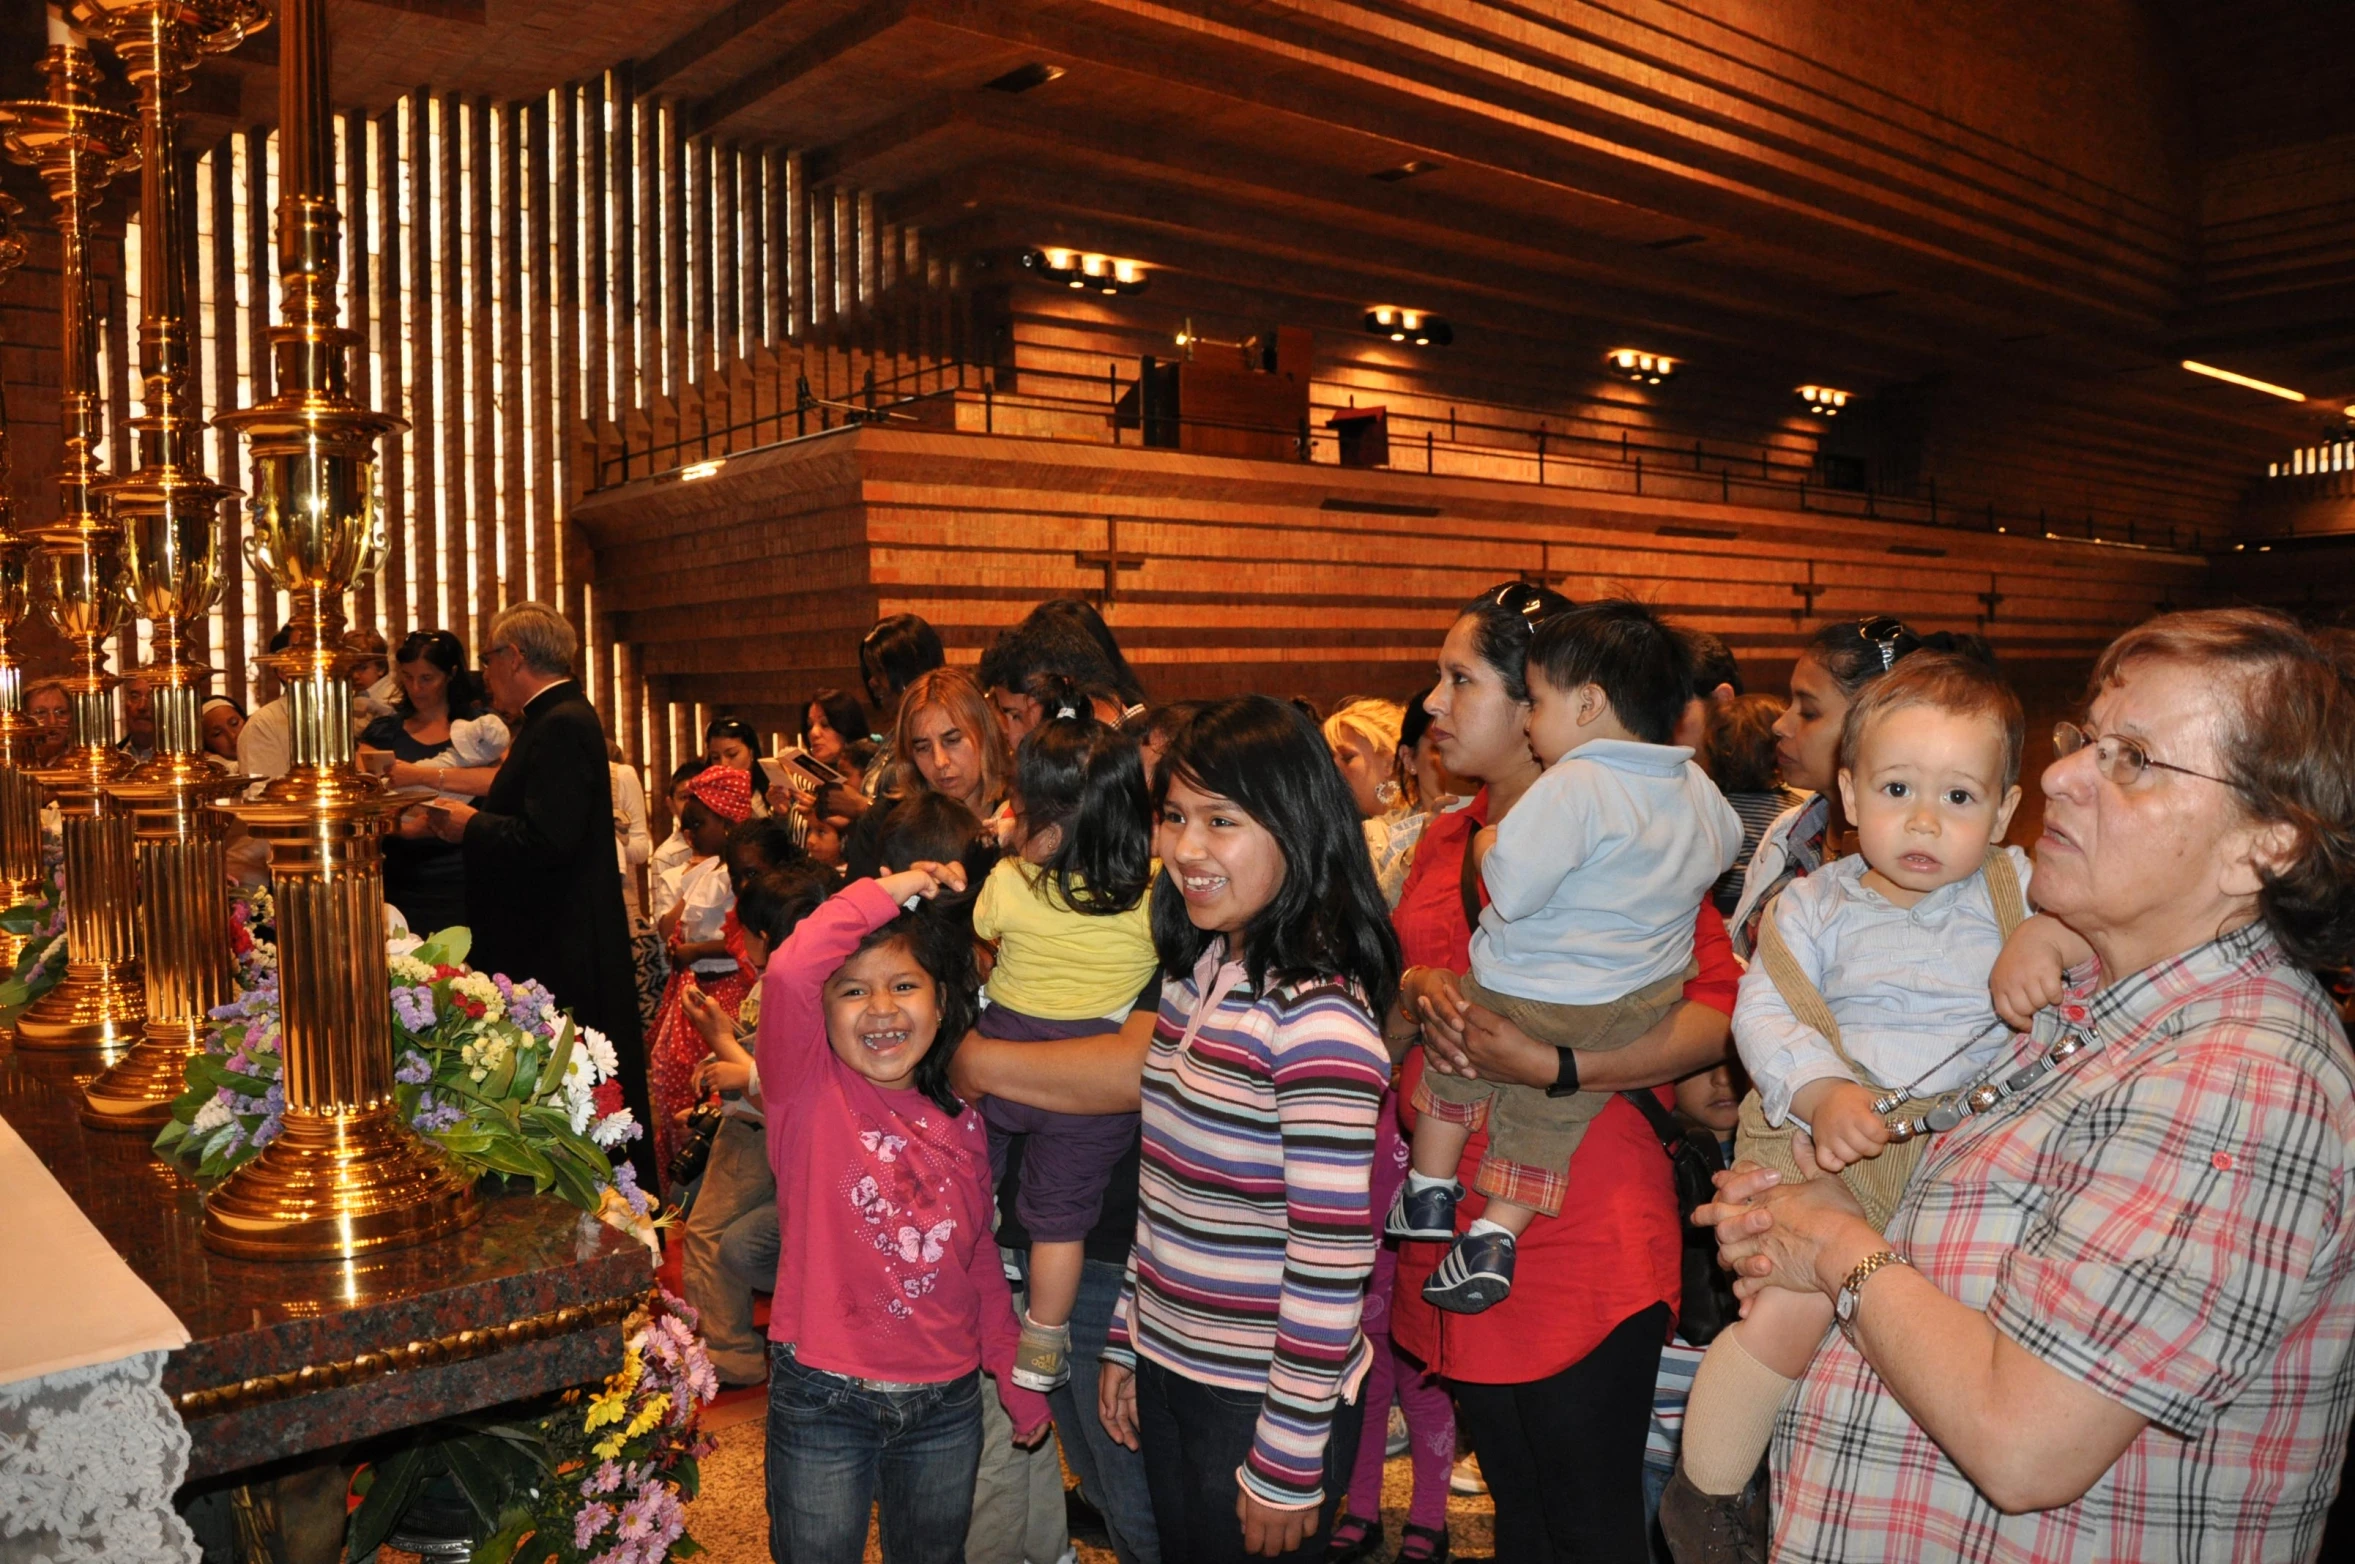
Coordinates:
(1406, 170)
(2229, 378)
(1024, 77)
(1822, 401)
(1419, 327)
(1086, 269)
(1639, 367)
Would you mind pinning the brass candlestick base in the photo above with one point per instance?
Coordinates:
(335, 1185)
(184, 933)
(102, 1000)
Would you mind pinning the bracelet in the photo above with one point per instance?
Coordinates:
(1565, 1075)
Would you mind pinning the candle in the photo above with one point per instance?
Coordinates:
(60, 33)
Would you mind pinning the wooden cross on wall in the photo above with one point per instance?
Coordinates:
(1807, 592)
(1110, 559)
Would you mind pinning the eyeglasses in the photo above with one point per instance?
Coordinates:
(2120, 759)
(1890, 636)
(503, 646)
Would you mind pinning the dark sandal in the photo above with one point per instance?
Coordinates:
(1434, 1549)
(1355, 1537)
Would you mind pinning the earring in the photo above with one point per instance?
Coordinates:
(1388, 793)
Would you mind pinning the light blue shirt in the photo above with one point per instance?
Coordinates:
(1598, 872)
(1908, 986)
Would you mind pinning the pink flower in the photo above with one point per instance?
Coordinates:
(589, 1523)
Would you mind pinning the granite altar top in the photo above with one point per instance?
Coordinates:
(525, 1259)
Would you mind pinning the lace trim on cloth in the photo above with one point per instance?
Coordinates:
(89, 1460)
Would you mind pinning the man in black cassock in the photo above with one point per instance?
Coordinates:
(543, 886)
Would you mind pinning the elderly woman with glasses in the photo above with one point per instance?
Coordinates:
(2114, 1316)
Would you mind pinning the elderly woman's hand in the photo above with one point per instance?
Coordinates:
(1430, 997)
(1803, 1237)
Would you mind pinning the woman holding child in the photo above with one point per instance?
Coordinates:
(1553, 1385)
(2113, 1314)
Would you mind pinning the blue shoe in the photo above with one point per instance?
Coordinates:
(1428, 1214)
(1476, 1275)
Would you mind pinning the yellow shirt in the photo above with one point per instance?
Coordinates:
(1053, 962)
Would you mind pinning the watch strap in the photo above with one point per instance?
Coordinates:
(1852, 1290)
(1565, 1075)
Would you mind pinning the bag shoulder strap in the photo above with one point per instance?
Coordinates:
(1662, 1124)
(1807, 1003)
(2003, 886)
(1468, 883)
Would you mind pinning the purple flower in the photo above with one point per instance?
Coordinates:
(413, 1008)
(412, 1068)
(591, 1520)
(625, 1180)
(604, 1479)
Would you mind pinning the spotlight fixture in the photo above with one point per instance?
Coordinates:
(1406, 170)
(1822, 401)
(1419, 327)
(1640, 368)
(1022, 78)
(2229, 378)
(693, 471)
(1085, 269)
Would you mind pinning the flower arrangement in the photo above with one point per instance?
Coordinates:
(488, 1069)
(42, 922)
(597, 1479)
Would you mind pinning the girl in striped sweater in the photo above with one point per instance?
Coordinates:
(1235, 1354)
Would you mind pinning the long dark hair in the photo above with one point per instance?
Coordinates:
(462, 690)
(1078, 774)
(1507, 616)
(1082, 613)
(1327, 920)
(899, 649)
(843, 712)
(733, 728)
(942, 943)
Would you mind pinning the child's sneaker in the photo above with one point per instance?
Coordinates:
(1042, 1358)
(1476, 1275)
(1428, 1214)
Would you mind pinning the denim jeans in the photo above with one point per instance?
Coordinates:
(1195, 1437)
(835, 1448)
(1110, 1474)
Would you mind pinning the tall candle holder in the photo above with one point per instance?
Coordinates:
(345, 1175)
(20, 795)
(77, 146)
(167, 514)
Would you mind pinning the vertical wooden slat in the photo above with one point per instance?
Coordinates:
(674, 255)
(699, 279)
(621, 179)
(556, 568)
(258, 314)
(231, 656)
(653, 342)
(659, 763)
(482, 519)
(821, 225)
(391, 384)
(449, 279)
(359, 298)
(800, 299)
(596, 301)
(539, 403)
(423, 381)
(776, 249)
(513, 402)
(728, 344)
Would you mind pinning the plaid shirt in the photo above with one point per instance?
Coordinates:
(2169, 1218)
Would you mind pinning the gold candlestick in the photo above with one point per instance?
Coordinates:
(20, 795)
(167, 513)
(345, 1175)
(77, 147)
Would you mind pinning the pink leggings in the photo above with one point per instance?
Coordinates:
(1430, 1416)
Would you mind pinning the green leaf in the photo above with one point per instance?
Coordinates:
(397, 1480)
(502, 1080)
(686, 1547)
(170, 1136)
(507, 1155)
(523, 1072)
(688, 1475)
(559, 1059)
(501, 1545)
(576, 1184)
(447, 948)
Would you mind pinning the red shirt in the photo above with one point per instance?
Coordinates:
(888, 1269)
(1616, 1249)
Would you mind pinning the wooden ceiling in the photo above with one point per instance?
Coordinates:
(2074, 197)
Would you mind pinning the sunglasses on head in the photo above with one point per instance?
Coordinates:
(1890, 636)
(1521, 598)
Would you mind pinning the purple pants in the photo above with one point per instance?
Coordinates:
(1070, 1156)
(1430, 1416)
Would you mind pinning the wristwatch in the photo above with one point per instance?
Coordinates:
(1565, 1074)
(1844, 1305)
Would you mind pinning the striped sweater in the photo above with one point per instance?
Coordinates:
(1254, 1233)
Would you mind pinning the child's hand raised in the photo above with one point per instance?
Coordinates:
(2033, 970)
(923, 881)
(722, 1075)
(1846, 1129)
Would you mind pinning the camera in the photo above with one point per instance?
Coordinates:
(687, 1162)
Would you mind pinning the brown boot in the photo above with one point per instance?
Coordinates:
(1713, 1528)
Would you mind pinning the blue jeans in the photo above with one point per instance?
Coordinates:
(1110, 1474)
(1195, 1436)
(834, 1448)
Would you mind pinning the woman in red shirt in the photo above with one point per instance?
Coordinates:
(1553, 1386)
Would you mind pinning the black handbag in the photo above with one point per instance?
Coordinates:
(1709, 1302)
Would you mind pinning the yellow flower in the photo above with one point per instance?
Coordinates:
(608, 1407)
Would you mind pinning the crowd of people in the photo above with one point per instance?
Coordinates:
(1192, 1093)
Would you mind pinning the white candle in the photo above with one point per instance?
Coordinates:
(60, 33)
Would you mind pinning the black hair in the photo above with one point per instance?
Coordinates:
(1415, 720)
(732, 728)
(941, 940)
(1044, 659)
(923, 827)
(283, 637)
(1327, 921)
(1630, 652)
(1082, 613)
(1506, 616)
(772, 903)
(843, 712)
(461, 690)
(770, 836)
(1076, 773)
(687, 771)
(1855, 652)
(1712, 660)
(899, 650)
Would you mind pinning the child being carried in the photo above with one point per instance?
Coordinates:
(1594, 879)
(1067, 911)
